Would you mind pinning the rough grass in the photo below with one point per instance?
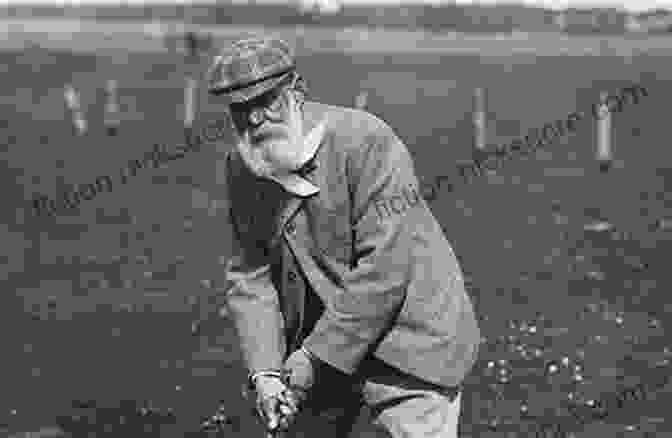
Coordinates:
(99, 304)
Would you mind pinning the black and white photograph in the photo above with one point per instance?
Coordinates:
(336, 219)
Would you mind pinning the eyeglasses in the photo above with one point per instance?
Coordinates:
(273, 105)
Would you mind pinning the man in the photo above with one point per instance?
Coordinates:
(361, 308)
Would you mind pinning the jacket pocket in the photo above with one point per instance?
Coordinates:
(332, 232)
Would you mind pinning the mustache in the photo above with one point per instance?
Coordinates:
(255, 158)
(266, 134)
(266, 159)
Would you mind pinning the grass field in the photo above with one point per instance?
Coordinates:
(99, 304)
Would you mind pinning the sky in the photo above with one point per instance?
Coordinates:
(631, 5)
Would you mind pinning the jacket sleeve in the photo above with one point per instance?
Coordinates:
(252, 300)
(374, 288)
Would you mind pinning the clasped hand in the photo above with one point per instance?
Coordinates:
(278, 402)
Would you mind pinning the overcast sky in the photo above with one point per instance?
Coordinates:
(633, 5)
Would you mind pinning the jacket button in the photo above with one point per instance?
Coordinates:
(291, 276)
(291, 228)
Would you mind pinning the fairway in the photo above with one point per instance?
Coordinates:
(99, 303)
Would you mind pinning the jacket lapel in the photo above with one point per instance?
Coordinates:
(293, 296)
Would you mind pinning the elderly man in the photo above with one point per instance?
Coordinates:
(359, 308)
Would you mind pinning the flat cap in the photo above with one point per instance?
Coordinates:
(249, 68)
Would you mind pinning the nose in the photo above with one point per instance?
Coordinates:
(257, 117)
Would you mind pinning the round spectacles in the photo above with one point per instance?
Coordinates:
(273, 105)
(274, 110)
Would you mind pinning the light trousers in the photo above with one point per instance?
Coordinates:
(387, 403)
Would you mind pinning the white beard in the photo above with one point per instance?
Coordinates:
(254, 158)
(274, 156)
(284, 155)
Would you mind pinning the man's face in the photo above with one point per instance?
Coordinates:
(269, 131)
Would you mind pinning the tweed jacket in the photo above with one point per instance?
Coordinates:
(375, 255)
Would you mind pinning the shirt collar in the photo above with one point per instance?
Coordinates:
(295, 181)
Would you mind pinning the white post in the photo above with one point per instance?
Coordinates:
(604, 153)
(74, 105)
(479, 119)
(561, 20)
(189, 102)
(360, 100)
(111, 121)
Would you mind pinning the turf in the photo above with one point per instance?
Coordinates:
(99, 303)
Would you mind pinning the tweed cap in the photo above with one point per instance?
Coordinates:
(249, 68)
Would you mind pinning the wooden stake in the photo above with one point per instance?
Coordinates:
(74, 106)
(479, 119)
(189, 102)
(603, 118)
(111, 120)
(360, 100)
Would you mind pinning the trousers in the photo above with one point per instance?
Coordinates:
(381, 401)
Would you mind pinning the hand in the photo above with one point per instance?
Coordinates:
(276, 404)
(300, 365)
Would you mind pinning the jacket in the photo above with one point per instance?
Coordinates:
(368, 245)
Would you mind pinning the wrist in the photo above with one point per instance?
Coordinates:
(314, 360)
(253, 376)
